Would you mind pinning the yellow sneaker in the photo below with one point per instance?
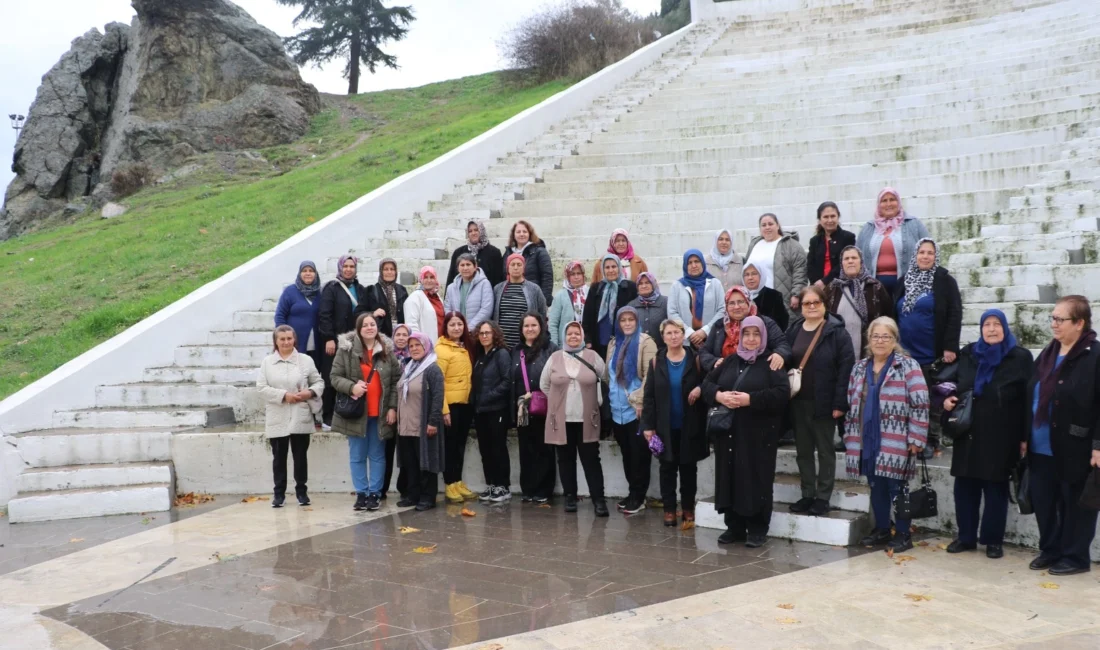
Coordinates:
(466, 493)
(452, 493)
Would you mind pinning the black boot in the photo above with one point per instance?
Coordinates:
(731, 536)
(877, 536)
(600, 506)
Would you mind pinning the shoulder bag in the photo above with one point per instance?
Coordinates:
(720, 416)
(956, 422)
(537, 405)
(1020, 492)
(794, 375)
(920, 503)
(353, 408)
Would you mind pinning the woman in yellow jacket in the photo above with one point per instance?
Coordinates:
(453, 356)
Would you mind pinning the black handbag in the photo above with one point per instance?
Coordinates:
(941, 372)
(920, 503)
(1090, 496)
(1021, 484)
(719, 419)
(353, 408)
(957, 422)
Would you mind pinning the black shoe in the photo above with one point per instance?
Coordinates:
(600, 506)
(1067, 568)
(303, 499)
(994, 551)
(1043, 561)
(633, 506)
(731, 536)
(425, 505)
(900, 544)
(499, 495)
(360, 501)
(405, 502)
(621, 503)
(801, 506)
(526, 499)
(486, 494)
(374, 502)
(570, 503)
(277, 502)
(958, 546)
(819, 508)
(877, 536)
(541, 500)
(756, 541)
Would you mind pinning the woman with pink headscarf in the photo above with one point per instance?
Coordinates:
(424, 308)
(619, 245)
(889, 241)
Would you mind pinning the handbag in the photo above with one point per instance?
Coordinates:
(941, 372)
(538, 403)
(794, 375)
(719, 419)
(353, 408)
(1090, 496)
(957, 422)
(920, 503)
(1020, 494)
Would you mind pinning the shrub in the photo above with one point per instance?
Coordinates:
(129, 179)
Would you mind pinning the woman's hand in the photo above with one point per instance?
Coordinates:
(950, 402)
(1023, 449)
(358, 389)
(379, 313)
(837, 414)
(913, 449)
(718, 362)
(776, 362)
(391, 417)
(794, 303)
(1095, 462)
(648, 435)
(291, 398)
(725, 398)
(742, 399)
(447, 419)
(305, 395)
(698, 337)
(432, 431)
(819, 283)
(638, 411)
(694, 395)
(949, 357)
(330, 348)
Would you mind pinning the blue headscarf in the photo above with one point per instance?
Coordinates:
(990, 356)
(610, 298)
(625, 360)
(698, 282)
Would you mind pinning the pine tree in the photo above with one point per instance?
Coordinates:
(352, 29)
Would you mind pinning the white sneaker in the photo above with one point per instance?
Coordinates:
(487, 493)
(500, 495)
(325, 427)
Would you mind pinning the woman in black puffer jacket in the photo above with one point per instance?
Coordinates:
(490, 394)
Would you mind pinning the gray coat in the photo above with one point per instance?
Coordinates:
(905, 244)
(788, 268)
(479, 301)
(650, 317)
(431, 413)
(536, 301)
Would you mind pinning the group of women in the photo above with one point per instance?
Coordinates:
(848, 337)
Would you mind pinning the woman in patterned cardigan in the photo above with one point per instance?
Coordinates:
(886, 426)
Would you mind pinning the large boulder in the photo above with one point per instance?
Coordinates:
(193, 75)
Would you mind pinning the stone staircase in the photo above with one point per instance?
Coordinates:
(983, 113)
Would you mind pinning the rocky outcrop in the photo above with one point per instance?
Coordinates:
(186, 75)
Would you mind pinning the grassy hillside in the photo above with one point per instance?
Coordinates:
(71, 287)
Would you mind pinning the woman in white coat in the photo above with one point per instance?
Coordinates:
(291, 387)
(424, 309)
(697, 298)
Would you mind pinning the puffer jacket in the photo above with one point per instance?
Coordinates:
(539, 269)
(479, 300)
(346, 373)
(492, 382)
(454, 361)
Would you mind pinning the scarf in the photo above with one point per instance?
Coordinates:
(990, 356)
(750, 356)
(424, 272)
(508, 261)
(882, 224)
(723, 261)
(482, 237)
(651, 298)
(308, 290)
(1048, 374)
(854, 285)
(568, 348)
(340, 270)
(629, 254)
(764, 281)
(872, 413)
(733, 327)
(918, 283)
(625, 360)
(578, 296)
(610, 298)
(415, 368)
(389, 289)
(697, 283)
(402, 354)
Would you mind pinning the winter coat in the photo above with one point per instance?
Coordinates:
(1074, 411)
(376, 299)
(539, 269)
(457, 369)
(911, 232)
(657, 411)
(680, 305)
(489, 260)
(420, 315)
(337, 314)
(815, 257)
(651, 316)
(276, 378)
(555, 383)
(731, 277)
(636, 265)
(770, 303)
(432, 455)
(879, 303)
(536, 302)
(492, 381)
(346, 372)
(647, 351)
(947, 303)
(903, 407)
(990, 450)
(535, 365)
(712, 349)
(293, 309)
(789, 275)
(561, 314)
(479, 300)
(590, 320)
(831, 362)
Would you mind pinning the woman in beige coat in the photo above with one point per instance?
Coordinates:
(291, 386)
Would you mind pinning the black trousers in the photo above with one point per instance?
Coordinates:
(492, 442)
(689, 479)
(636, 457)
(328, 397)
(968, 501)
(421, 486)
(536, 459)
(754, 525)
(319, 357)
(1066, 529)
(454, 445)
(590, 461)
(297, 444)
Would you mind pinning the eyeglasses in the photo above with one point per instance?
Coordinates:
(484, 333)
(882, 338)
(812, 303)
(737, 303)
(1058, 320)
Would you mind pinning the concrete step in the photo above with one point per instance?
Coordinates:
(255, 321)
(221, 355)
(236, 337)
(1055, 241)
(853, 496)
(837, 528)
(1016, 258)
(73, 446)
(91, 502)
(79, 477)
(202, 375)
(143, 417)
(1018, 294)
(786, 464)
(158, 394)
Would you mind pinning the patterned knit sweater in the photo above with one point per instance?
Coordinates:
(903, 404)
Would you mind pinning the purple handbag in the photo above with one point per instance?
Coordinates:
(656, 446)
(538, 405)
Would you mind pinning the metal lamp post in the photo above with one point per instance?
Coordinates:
(17, 121)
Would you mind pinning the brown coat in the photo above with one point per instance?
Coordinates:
(555, 382)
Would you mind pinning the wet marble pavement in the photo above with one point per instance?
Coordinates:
(454, 580)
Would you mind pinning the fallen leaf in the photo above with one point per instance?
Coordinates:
(786, 620)
(543, 505)
(916, 598)
(405, 530)
(76, 540)
(267, 587)
(785, 606)
(1049, 585)
(466, 512)
(190, 499)
(491, 646)
(687, 525)
(145, 521)
(922, 543)
(253, 499)
(308, 509)
(890, 552)
(942, 547)
(424, 549)
(902, 559)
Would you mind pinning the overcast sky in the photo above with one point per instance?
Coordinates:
(450, 38)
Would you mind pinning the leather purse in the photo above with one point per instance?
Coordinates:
(719, 419)
(920, 503)
(353, 408)
(957, 422)
(794, 375)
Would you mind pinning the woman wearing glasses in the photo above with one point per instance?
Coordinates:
(821, 347)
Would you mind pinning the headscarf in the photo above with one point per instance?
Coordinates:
(723, 261)
(629, 254)
(698, 283)
(308, 290)
(610, 298)
(990, 356)
(651, 298)
(854, 286)
(340, 269)
(424, 271)
(577, 297)
(764, 281)
(918, 283)
(508, 262)
(389, 289)
(625, 360)
(751, 355)
(565, 346)
(415, 368)
(882, 224)
(733, 327)
(482, 237)
(402, 354)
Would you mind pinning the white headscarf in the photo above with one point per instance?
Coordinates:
(753, 293)
(723, 261)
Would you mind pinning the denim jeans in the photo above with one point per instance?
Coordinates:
(369, 449)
